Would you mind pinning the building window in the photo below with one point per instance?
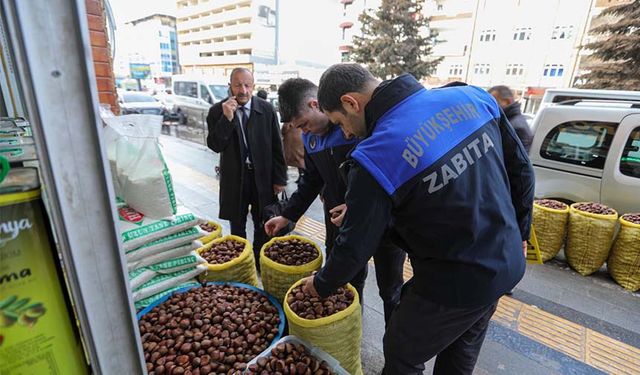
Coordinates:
(584, 143)
(522, 33)
(515, 70)
(455, 70)
(440, 7)
(487, 36)
(553, 70)
(562, 32)
(481, 69)
(630, 160)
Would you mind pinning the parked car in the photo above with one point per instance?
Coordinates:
(588, 150)
(139, 102)
(166, 97)
(194, 95)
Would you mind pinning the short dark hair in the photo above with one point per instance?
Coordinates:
(338, 80)
(238, 70)
(262, 93)
(503, 92)
(293, 95)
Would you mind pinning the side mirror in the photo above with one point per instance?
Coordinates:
(210, 100)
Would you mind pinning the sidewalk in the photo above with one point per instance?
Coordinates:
(556, 321)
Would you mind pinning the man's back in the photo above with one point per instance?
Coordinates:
(451, 191)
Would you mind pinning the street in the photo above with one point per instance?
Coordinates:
(556, 321)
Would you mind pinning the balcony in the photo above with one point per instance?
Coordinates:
(213, 19)
(346, 2)
(221, 32)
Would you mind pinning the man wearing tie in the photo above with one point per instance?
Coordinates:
(244, 130)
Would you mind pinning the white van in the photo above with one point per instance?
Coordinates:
(194, 95)
(588, 150)
(556, 96)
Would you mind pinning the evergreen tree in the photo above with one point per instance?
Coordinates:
(617, 53)
(396, 39)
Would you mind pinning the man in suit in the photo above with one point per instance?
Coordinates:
(244, 130)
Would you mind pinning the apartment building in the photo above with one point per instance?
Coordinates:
(216, 36)
(350, 24)
(155, 43)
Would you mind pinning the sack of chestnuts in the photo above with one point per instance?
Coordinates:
(285, 260)
(229, 258)
(623, 261)
(550, 219)
(333, 324)
(292, 356)
(590, 235)
(208, 330)
(214, 231)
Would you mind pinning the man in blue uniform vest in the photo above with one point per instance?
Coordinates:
(447, 171)
(326, 148)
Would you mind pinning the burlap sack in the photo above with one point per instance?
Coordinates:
(278, 278)
(551, 229)
(624, 261)
(240, 270)
(589, 240)
(339, 335)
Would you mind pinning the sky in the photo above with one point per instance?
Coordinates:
(303, 25)
(127, 10)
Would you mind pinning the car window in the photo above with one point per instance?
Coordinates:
(219, 91)
(205, 94)
(186, 89)
(137, 98)
(630, 160)
(583, 143)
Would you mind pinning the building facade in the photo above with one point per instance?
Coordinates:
(155, 44)
(217, 36)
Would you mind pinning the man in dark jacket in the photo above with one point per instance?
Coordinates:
(504, 97)
(326, 148)
(244, 130)
(446, 170)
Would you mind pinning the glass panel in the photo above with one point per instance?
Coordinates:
(583, 143)
(630, 160)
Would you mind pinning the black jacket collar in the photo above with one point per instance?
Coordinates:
(512, 110)
(387, 95)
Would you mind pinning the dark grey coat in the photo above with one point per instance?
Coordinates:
(266, 149)
(519, 123)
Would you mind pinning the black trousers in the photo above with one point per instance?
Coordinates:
(389, 262)
(421, 329)
(239, 228)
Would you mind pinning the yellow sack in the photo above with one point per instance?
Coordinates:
(211, 236)
(589, 240)
(340, 334)
(240, 270)
(624, 261)
(276, 277)
(551, 229)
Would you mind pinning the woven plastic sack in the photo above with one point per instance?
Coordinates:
(624, 261)
(340, 334)
(277, 278)
(164, 244)
(551, 229)
(589, 240)
(240, 270)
